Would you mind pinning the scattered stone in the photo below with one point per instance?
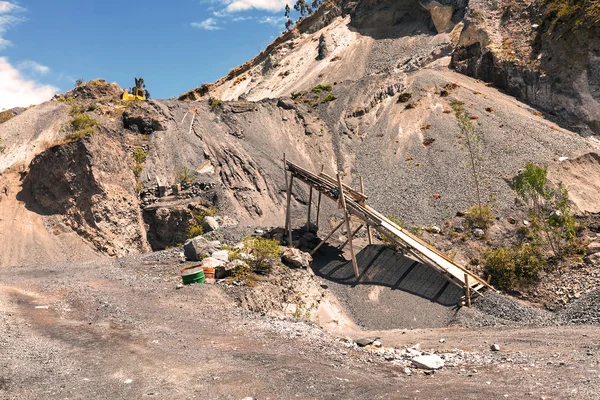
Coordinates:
(296, 258)
(377, 343)
(495, 347)
(526, 223)
(442, 340)
(435, 229)
(428, 362)
(210, 224)
(210, 262)
(478, 233)
(222, 255)
(365, 341)
(259, 231)
(197, 248)
(407, 371)
(179, 286)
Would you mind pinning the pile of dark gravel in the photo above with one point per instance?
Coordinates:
(585, 310)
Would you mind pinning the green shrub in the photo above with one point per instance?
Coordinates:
(480, 217)
(199, 215)
(137, 169)
(328, 98)
(194, 230)
(321, 88)
(185, 175)
(241, 271)
(91, 107)
(265, 251)
(513, 267)
(215, 103)
(139, 155)
(2, 148)
(83, 121)
(80, 134)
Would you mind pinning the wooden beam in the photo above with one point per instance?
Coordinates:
(353, 234)
(327, 238)
(319, 200)
(369, 233)
(467, 290)
(347, 220)
(286, 187)
(309, 207)
(288, 222)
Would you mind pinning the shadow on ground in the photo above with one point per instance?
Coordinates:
(392, 290)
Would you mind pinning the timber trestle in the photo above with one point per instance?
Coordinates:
(354, 203)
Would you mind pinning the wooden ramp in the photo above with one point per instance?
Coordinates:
(354, 202)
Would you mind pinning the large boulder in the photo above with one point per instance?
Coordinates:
(430, 361)
(210, 224)
(296, 258)
(198, 248)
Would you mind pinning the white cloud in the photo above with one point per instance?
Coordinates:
(244, 5)
(8, 7)
(209, 24)
(276, 21)
(32, 66)
(16, 91)
(8, 20)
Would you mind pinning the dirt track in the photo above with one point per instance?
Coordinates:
(120, 329)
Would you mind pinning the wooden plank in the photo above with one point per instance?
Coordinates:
(319, 200)
(347, 219)
(289, 210)
(309, 207)
(369, 233)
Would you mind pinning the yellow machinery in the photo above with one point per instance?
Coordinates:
(138, 94)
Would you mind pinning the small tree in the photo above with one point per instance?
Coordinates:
(549, 206)
(471, 143)
(79, 82)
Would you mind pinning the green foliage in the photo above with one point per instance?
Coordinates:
(83, 121)
(328, 98)
(513, 267)
(194, 230)
(79, 82)
(553, 222)
(298, 95)
(91, 107)
(265, 251)
(139, 186)
(571, 15)
(139, 155)
(480, 217)
(321, 88)
(80, 134)
(215, 103)
(472, 140)
(185, 175)
(2, 148)
(241, 271)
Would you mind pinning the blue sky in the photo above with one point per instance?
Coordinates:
(178, 45)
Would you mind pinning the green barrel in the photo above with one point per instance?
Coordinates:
(195, 275)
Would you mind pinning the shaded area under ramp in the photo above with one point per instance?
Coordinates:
(392, 291)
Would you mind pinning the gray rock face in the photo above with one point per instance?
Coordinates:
(296, 258)
(322, 48)
(428, 362)
(197, 248)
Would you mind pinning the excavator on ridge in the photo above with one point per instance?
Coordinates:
(138, 92)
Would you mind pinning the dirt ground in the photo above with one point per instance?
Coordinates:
(116, 329)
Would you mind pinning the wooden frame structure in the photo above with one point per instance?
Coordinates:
(353, 203)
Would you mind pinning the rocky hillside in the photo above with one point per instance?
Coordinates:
(363, 87)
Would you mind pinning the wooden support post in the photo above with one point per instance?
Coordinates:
(327, 238)
(309, 207)
(353, 234)
(288, 215)
(369, 233)
(286, 188)
(319, 200)
(347, 219)
(467, 291)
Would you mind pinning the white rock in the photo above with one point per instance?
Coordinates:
(211, 262)
(377, 343)
(210, 224)
(428, 362)
(495, 347)
(442, 340)
(222, 255)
